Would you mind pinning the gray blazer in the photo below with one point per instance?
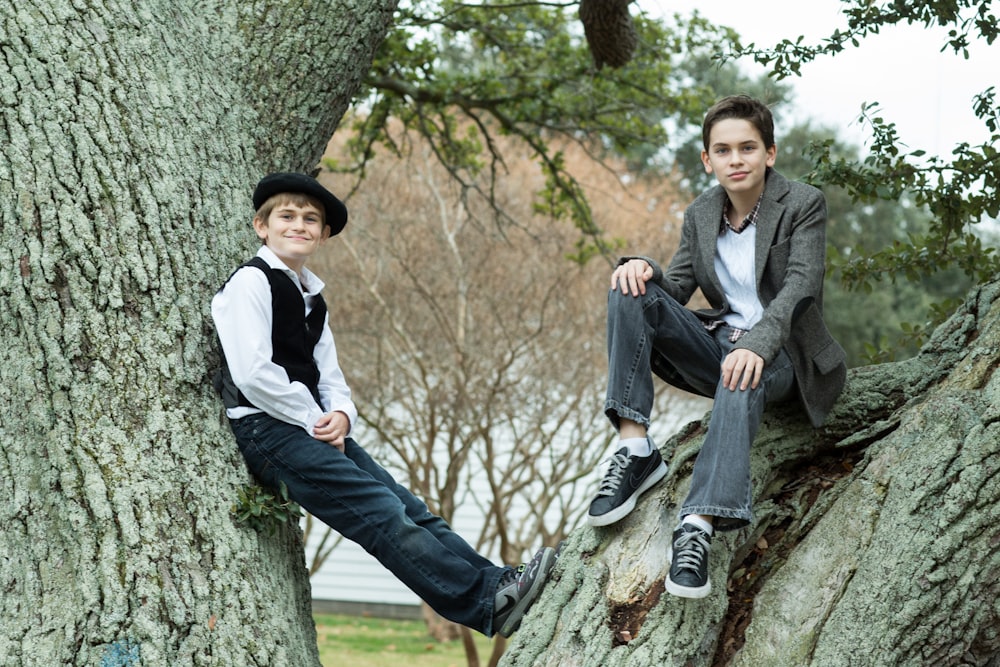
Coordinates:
(790, 263)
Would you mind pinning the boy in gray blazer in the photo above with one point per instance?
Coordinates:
(755, 245)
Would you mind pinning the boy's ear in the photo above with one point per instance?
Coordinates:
(772, 155)
(705, 161)
(260, 227)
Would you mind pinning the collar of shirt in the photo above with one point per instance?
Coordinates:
(308, 282)
(750, 219)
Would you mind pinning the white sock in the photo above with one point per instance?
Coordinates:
(698, 522)
(636, 446)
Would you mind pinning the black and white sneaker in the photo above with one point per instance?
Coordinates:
(688, 556)
(627, 478)
(518, 590)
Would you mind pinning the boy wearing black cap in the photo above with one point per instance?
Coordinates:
(291, 411)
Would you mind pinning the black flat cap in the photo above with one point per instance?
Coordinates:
(335, 213)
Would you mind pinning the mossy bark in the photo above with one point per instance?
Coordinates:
(875, 543)
(133, 135)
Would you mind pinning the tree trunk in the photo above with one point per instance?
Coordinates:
(875, 542)
(134, 134)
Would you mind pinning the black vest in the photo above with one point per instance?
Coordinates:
(293, 336)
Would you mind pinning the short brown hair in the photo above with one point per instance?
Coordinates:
(742, 107)
(299, 199)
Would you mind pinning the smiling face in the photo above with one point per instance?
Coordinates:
(736, 154)
(293, 231)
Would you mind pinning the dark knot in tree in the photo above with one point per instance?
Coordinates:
(610, 31)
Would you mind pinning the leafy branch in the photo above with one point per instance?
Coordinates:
(958, 193)
(462, 74)
(263, 509)
(865, 18)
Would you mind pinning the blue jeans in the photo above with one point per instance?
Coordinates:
(355, 496)
(654, 330)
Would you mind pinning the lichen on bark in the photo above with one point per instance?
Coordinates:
(131, 136)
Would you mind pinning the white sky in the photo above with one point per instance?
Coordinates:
(927, 93)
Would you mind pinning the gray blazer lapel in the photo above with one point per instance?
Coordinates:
(771, 210)
(767, 225)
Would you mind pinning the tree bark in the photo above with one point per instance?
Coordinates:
(875, 541)
(134, 134)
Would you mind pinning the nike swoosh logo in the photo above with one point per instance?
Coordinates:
(635, 482)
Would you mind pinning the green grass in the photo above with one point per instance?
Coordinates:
(375, 642)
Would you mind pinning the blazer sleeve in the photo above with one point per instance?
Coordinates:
(679, 280)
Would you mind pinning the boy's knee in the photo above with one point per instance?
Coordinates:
(623, 303)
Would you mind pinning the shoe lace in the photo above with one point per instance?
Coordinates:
(690, 550)
(510, 576)
(613, 479)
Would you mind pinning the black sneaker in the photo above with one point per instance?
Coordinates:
(518, 589)
(627, 478)
(688, 556)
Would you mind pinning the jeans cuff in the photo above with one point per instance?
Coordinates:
(616, 412)
(724, 519)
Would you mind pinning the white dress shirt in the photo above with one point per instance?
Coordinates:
(242, 315)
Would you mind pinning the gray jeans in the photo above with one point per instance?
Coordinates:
(655, 326)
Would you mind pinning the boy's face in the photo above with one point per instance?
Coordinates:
(738, 157)
(292, 232)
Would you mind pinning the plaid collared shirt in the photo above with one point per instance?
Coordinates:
(734, 335)
(750, 219)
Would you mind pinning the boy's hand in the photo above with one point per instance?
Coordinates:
(632, 276)
(332, 428)
(742, 368)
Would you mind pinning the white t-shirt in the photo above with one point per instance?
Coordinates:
(734, 264)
